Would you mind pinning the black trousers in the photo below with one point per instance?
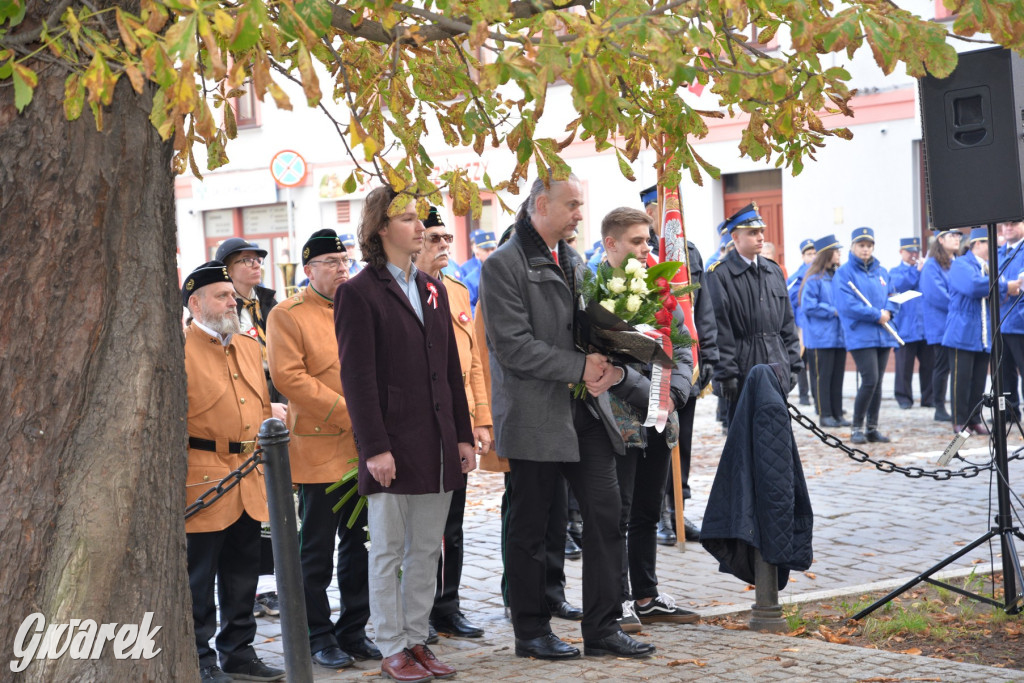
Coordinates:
(871, 364)
(321, 529)
(827, 368)
(449, 563)
(922, 352)
(232, 557)
(554, 542)
(940, 375)
(642, 472)
(531, 485)
(969, 369)
(1010, 366)
(803, 380)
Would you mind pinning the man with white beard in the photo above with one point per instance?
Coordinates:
(227, 401)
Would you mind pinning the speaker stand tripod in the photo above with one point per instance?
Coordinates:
(1003, 528)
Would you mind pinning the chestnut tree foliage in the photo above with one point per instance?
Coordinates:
(480, 70)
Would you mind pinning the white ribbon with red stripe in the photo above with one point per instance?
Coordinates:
(657, 402)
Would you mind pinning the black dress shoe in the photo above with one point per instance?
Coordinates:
(332, 657)
(905, 406)
(829, 422)
(575, 531)
(691, 531)
(927, 405)
(665, 534)
(875, 436)
(547, 646)
(456, 624)
(979, 428)
(858, 436)
(844, 422)
(431, 635)
(361, 649)
(572, 551)
(942, 416)
(618, 644)
(564, 610)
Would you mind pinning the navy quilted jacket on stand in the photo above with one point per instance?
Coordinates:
(759, 497)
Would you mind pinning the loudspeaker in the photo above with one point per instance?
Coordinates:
(974, 140)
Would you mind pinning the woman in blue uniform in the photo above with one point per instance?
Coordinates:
(968, 334)
(868, 341)
(935, 292)
(823, 334)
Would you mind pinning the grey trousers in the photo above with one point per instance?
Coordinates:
(405, 542)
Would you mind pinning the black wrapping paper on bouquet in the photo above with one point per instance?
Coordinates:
(599, 330)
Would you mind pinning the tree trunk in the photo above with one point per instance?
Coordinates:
(92, 367)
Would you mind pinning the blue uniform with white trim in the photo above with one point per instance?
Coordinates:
(860, 321)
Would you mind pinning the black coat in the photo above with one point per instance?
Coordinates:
(703, 315)
(266, 297)
(759, 498)
(754, 317)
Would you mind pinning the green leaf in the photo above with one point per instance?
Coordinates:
(74, 97)
(25, 81)
(666, 270)
(350, 185)
(14, 10)
(247, 27)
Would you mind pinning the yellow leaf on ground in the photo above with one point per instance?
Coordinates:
(911, 651)
(680, 662)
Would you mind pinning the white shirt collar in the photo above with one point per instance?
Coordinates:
(748, 261)
(224, 339)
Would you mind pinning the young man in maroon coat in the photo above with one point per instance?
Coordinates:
(403, 384)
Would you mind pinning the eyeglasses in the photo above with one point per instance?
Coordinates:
(332, 263)
(251, 261)
(437, 237)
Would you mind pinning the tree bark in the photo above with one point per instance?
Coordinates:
(93, 456)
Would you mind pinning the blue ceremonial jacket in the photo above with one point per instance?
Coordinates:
(934, 285)
(860, 321)
(1013, 315)
(822, 327)
(793, 287)
(911, 323)
(471, 278)
(968, 326)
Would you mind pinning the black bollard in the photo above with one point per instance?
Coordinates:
(284, 538)
(766, 612)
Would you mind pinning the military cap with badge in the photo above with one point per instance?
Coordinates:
(206, 274)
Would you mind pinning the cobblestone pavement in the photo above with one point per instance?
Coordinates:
(871, 528)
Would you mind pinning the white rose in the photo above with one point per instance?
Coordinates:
(609, 305)
(617, 285)
(633, 266)
(633, 303)
(641, 273)
(638, 286)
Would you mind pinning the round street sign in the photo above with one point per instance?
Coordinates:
(288, 168)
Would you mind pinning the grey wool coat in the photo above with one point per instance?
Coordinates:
(528, 316)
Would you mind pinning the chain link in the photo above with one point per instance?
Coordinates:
(883, 465)
(224, 485)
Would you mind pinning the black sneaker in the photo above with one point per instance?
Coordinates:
(663, 609)
(255, 670)
(213, 674)
(629, 623)
(269, 602)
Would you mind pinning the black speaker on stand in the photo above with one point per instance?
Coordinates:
(974, 168)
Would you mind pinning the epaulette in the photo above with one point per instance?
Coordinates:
(448, 277)
(296, 299)
(714, 265)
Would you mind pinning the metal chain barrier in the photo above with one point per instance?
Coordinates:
(883, 465)
(224, 485)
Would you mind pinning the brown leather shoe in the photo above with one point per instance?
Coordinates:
(404, 668)
(431, 663)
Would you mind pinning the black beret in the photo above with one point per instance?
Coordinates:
(433, 219)
(206, 274)
(324, 241)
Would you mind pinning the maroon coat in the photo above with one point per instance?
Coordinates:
(402, 381)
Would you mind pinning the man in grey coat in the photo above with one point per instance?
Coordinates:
(530, 290)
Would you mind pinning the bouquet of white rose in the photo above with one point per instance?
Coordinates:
(628, 313)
